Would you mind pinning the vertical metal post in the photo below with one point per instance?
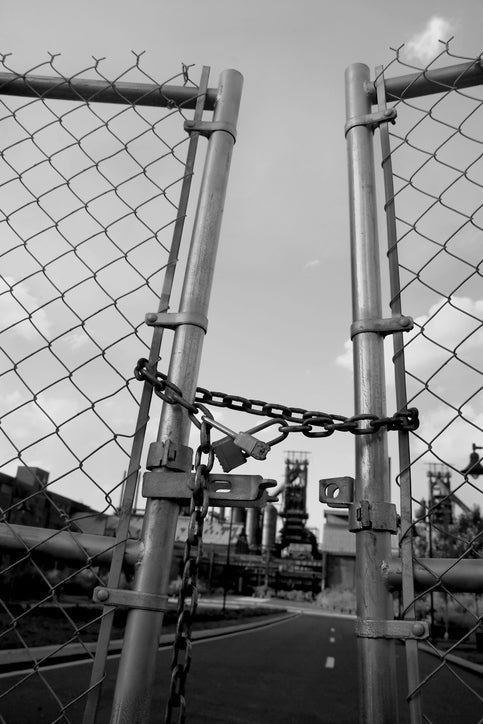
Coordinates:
(406, 537)
(135, 679)
(377, 680)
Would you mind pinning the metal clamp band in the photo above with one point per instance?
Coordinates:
(371, 120)
(390, 325)
(171, 320)
(392, 629)
(206, 128)
(372, 516)
(130, 599)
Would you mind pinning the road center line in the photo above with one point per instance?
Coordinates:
(329, 662)
(332, 639)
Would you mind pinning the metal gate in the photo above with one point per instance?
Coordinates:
(95, 175)
(429, 123)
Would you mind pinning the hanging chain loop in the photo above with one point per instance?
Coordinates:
(311, 423)
(188, 593)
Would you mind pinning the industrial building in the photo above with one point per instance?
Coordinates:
(245, 550)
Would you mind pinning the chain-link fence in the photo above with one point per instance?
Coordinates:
(95, 174)
(433, 175)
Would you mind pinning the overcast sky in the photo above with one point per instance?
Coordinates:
(280, 308)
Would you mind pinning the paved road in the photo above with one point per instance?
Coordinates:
(301, 670)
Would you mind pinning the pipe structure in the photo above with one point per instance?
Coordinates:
(428, 82)
(406, 542)
(135, 679)
(456, 575)
(100, 91)
(376, 657)
(65, 545)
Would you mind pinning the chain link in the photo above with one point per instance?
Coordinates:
(308, 422)
(188, 593)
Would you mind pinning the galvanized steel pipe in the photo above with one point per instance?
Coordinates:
(377, 676)
(135, 680)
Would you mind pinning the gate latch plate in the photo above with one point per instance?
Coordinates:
(392, 629)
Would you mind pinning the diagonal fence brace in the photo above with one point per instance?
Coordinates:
(223, 490)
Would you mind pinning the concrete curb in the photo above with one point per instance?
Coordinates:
(14, 659)
(464, 663)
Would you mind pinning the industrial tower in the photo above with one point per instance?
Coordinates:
(295, 538)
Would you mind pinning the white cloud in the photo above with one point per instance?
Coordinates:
(444, 328)
(345, 359)
(312, 264)
(424, 46)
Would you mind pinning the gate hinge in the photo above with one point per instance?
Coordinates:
(371, 120)
(390, 325)
(206, 128)
(372, 516)
(129, 599)
(392, 629)
(230, 491)
(171, 320)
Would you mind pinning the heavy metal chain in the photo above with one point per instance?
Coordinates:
(312, 423)
(188, 594)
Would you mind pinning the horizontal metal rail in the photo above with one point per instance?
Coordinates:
(65, 545)
(463, 575)
(99, 91)
(464, 75)
(450, 574)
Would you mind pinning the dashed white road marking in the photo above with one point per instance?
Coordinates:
(332, 639)
(329, 662)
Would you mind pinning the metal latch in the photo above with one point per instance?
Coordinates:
(336, 492)
(363, 515)
(231, 491)
(392, 629)
(372, 516)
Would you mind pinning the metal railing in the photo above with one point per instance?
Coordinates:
(429, 124)
(95, 176)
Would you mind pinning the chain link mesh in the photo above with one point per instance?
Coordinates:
(433, 165)
(89, 202)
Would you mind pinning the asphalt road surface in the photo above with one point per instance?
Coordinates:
(300, 670)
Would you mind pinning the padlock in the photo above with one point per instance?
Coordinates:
(229, 455)
(248, 443)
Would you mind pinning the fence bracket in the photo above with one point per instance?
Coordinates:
(336, 492)
(171, 320)
(169, 455)
(231, 491)
(391, 325)
(129, 599)
(372, 516)
(392, 629)
(371, 120)
(206, 128)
